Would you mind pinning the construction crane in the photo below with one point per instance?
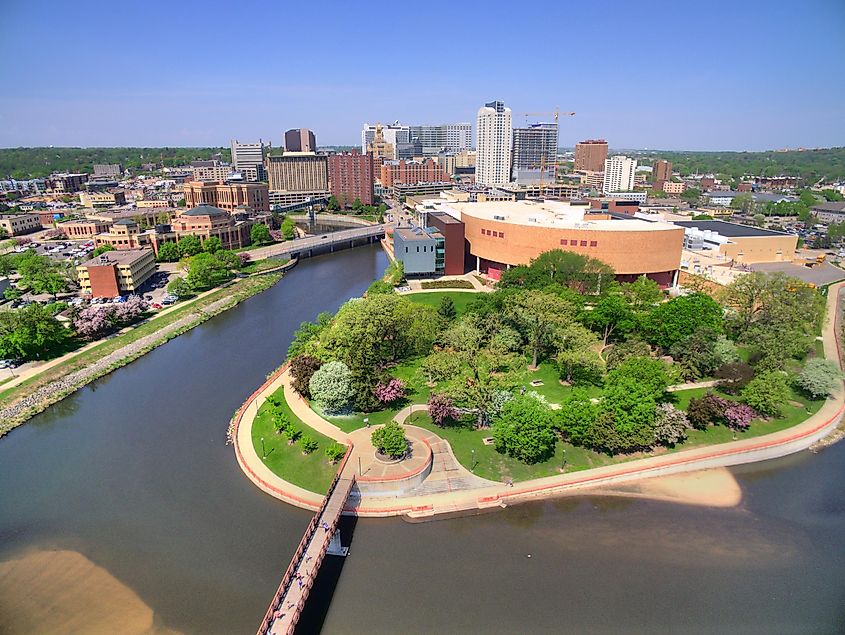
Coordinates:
(556, 113)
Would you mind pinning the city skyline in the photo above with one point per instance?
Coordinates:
(734, 85)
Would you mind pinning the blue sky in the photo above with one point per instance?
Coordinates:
(675, 75)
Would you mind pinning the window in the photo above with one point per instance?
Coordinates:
(583, 243)
(563, 241)
(593, 243)
(501, 234)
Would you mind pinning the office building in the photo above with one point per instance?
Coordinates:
(102, 170)
(450, 137)
(421, 251)
(124, 234)
(493, 154)
(379, 148)
(661, 171)
(83, 229)
(116, 273)
(17, 224)
(619, 174)
(737, 243)
(300, 140)
(216, 172)
(534, 153)
(110, 198)
(412, 172)
(66, 183)
(590, 155)
(206, 221)
(298, 172)
(392, 134)
(227, 196)
(248, 159)
(452, 231)
(672, 188)
(351, 177)
(411, 150)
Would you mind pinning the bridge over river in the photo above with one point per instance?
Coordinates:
(313, 245)
(321, 537)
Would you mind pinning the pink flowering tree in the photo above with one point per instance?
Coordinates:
(441, 408)
(390, 392)
(738, 416)
(244, 258)
(98, 320)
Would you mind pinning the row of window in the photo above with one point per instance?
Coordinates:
(425, 249)
(488, 232)
(576, 243)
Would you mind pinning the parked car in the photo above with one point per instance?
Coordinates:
(157, 305)
(167, 301)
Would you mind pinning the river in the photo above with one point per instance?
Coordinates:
(133, 473)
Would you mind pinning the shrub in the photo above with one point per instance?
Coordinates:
(447, 308)
(379, 286)
(621, 351)
(734, 376)
(446, 284)
(332, 387)
(98, 320)
(281, 422)
(390, 392)
(335, 452)
(525, 430)
(244, 258)
(390, 440)
(766, 392)
(738, 416)
(441, 408)
(819, 378)
(670, 425)
(309, 444)
(302, 368)
(707, 410)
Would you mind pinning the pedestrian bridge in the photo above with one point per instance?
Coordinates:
(321, 537)
(313, 245)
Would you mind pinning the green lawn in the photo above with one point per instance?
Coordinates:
(460, 298)
(313, 471)
(552, 389)
(263, 265)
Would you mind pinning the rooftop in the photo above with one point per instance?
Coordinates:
(830, 207)
(415, 233)
(555, 214)
(204, 209)
(121, 257)
(729, 230)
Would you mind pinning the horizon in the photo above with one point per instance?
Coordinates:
(645, 92)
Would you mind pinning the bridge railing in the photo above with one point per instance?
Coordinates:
(307, 536)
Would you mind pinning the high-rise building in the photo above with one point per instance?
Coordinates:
(300, 140)
(379, 147)
(351, 177)
(493, 158)
(590, 155)
(393, 134)
(534, 153)
(661, 170)
(248, 159)
(451, 137)
(619, 174)
(298, 172)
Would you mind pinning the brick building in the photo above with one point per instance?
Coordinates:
(590, 155)
(412, 172)
(227, 196)
(351, 177)
(116, 272)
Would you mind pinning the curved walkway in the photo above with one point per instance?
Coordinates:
(473, 494)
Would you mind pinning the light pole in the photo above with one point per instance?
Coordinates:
(472, 469)
(263, 451)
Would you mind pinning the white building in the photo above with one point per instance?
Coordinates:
(493, 156)
(619, 174)
(394, 133)
(248, 158)
(451, 137)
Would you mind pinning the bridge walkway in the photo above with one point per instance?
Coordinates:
(287, 605)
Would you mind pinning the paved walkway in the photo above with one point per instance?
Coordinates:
(457, 493)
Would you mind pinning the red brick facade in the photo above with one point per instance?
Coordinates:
(351, 177)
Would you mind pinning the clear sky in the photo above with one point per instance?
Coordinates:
(716, 75)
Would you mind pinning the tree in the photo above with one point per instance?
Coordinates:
(357, 204)
(379, 286)
(734, 376)
(335, 451)
(707, 410)
(189, 245)
(819, 378)
(206, 271)
(446, 309)
(259, 234)
(169, 252)
(308, 332)
(309, 444)
(766, 393)
(677, 319)
(98, 320)
(696, 354)
(642, 294)
(228, 259)
(831, 196)
(302, 368)
(743, 202)
(288, 228)
(759, 220)
(537, 314)
(390, 440)
(41, 274)
(576, 416)
(180, 288)
(244, 259)
(441, 408)
(333, 203)
(643, 373)
(670, 425)
(525, 430)
(563, 268)
(31, 332)
(580, 366)
(101, 250)
(212, 245)
(390, 392)
(738, 416)
(440, 366)
(691, 195)
(620, 351)
(611, 314)
(331, 386)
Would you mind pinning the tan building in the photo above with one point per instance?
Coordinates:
(590, 155)
(205, 221)
(674, 188)
(124, 234)
(592, 179)
(381, 149)
(116, 272)
(227, 196)
(298, 172)
(17, 224)
(110, 198)
(465, 159)
(153, 202)
(84, 228)
(212, 172)
(661, 170)
(741, 244)
(145, 217)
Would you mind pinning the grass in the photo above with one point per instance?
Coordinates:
(263, 265)
(309, 471)
(239, 290)
(552, 389)
(460, 298)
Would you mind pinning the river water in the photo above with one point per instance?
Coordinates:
(133, 473)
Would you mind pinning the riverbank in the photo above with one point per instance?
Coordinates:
(468, 496)
(35, 394)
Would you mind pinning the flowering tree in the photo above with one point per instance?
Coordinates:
(332, 386)
(441, 408)
(391, 392)
(99, 319)
(820, 377)
(738, 416)
(670, 425)
(244, 258)
(276, 235)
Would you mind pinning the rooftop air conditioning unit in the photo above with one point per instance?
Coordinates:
(497, 217)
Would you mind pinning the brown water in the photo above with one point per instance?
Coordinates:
(133, 474)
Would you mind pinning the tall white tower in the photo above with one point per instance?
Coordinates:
(493, 159)
(619, 174)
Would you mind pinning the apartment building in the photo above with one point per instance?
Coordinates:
(493, 156)
(590, 155)
(412, 172)
(619, 174)
(351, 177)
